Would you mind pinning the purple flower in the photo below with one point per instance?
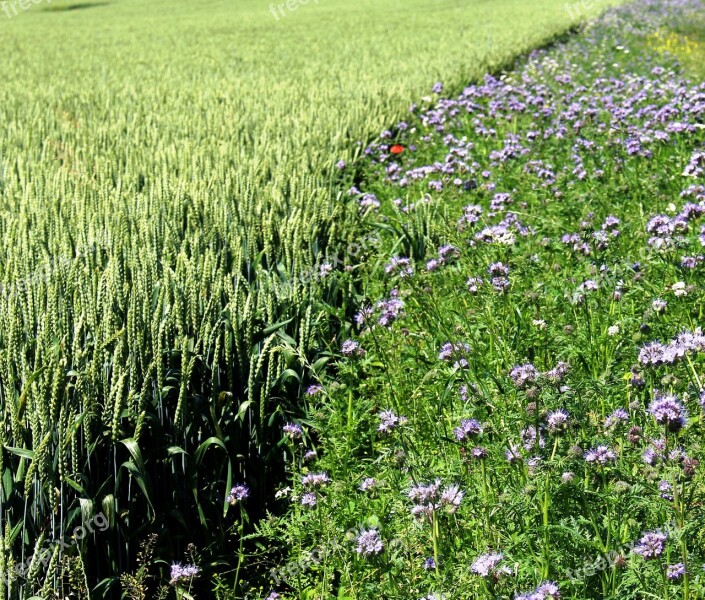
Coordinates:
(456, 352)
(309, 499)
(668, 411)
(601, 455)
(674, 572)
(389, 421)
(310, 455)
(523, 375)
(557, 420)
(429, 564)
(351, 347)
(340, 164)
(369, 542)
(498, 269)
(651, 545)
(451, 497)
(179, 572)
(238, 494)
(315, 480)
(293, 430)
(479, 453)
(548, 590)
(617, 417)
(437, 88)
(368, 484)
(468, 428)
(486, 564)
(530, 437)
(399, 266)
(314, 389)
(474, 284)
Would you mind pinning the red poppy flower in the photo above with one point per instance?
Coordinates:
(396, 149)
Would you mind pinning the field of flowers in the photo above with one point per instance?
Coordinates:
(517, 407)
(168, 191)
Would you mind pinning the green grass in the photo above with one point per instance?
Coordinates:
(166, 175)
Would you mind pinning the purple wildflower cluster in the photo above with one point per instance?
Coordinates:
(548, 590)
(238, 494)
(369, 542)
(431, 497)
(181, 573)
(456, 352)
(488, 565)
(467, 429)
(389, 421)
(669, 411)
(685, 343)
(399, 266)
(651, 545)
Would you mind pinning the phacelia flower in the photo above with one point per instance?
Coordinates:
(668, 411)
(601, 455)
(238, 494)
(486, 564)
(293, 431)
(651, 545)
(369, 542)
(389, 421)
(467, 428)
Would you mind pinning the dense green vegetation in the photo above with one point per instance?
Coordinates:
(167, 188)
(519, 411)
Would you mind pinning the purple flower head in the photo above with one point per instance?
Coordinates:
(479, 453)
(457, 352)
(558, 373)
(389, 311)
(618, 417)
(451, 497)
(389, 421)
(310, 455)
(651, 545)
(399, 266)
(601, 455)
(368, 484)
(668, 411)
(512, 454)
(340, 164)
(498, 269)
(293, 431)
(351, 348)
(309, 500)
(474, 284)
(665, 490)
(179, 572)
(429, 564)
(557, 420)
(315, 480)
(530, 437)
(675, 572)
(548, 590)
(364, 315)
(369, 542)
(314, 389)
(486, 564)
(238, 494)
(468, 428)
(523, 375)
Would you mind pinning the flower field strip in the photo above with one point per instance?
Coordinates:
(518, 411)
